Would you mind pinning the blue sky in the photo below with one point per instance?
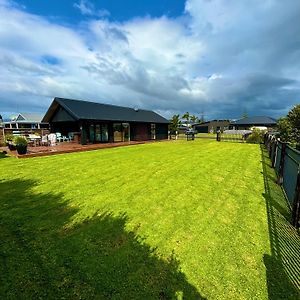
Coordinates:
(218, 57)
(118, 10)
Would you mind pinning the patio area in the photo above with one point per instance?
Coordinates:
(67, 147)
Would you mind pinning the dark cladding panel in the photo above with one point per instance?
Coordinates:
(161, 131)
(62, 115)
(139, 132)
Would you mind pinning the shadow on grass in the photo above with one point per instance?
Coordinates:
(283, 266)
(42, 257)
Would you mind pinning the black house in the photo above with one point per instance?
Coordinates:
(92, 122)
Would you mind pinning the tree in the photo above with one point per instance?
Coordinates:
(284, 128)
(289, 127)
(186, 116)
(175, 123)
(194, 119)
(294, 120)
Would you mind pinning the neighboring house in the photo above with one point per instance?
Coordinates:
(94, 122)
(26, 121)
(212, 126)
(249, 122)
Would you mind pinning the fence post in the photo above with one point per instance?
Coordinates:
(271, 147)
(296, 204)
(281, 164)
(274, 153)
(266, 138)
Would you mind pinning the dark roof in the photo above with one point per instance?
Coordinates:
(84, 110)
(208, 122)
(260, 120)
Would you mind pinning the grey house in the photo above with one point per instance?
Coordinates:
(95, 122)
(247, 123)
(26, 121)
(211, 126)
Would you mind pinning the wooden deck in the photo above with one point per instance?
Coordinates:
(69, 147)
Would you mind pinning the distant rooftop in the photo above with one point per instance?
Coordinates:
(257, 120)
(25, 118)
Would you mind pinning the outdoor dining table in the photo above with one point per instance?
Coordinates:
(36, 140)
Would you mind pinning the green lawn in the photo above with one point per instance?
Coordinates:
(168, 220)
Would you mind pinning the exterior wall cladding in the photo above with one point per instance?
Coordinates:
(138, 131)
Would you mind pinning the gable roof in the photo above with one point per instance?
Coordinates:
(258, 120)
(85, 110)
(27, 118)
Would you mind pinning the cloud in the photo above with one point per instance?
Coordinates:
(220, 57)
(88, 9)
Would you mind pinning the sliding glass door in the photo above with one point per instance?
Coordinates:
(92, 133)
(104, 133)
(121, 132)
(97, 133)
(126, 132)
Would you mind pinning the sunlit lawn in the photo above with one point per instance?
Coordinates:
(166, 220)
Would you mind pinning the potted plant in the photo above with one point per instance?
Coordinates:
(9, 138)
(21, 144)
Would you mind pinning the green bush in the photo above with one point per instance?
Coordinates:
(9, 137)
(20, 141)
(256, 137)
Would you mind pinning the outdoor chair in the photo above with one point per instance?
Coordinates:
(71, 136)
(66, 138)
(52, 139)
(45, 141)
(61, 138)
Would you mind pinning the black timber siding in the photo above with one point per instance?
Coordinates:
(61, 115)
(139, 131)
(161, 131)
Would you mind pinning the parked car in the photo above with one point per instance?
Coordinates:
(191, 131)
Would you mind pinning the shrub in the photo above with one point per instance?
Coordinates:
(9, 137)
(256, 137)
(20, 141)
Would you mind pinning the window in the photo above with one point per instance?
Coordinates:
(117, 128)
(126, 132)
(153, 132)
(91, 133)
(104, 133)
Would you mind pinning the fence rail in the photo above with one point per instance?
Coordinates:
(286, 161)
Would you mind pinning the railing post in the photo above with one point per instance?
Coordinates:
(296, 204)
(281, 164)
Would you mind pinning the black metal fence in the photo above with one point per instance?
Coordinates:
(286, 161)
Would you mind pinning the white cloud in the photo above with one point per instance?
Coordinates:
(88, 9)
(220, 58)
